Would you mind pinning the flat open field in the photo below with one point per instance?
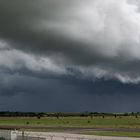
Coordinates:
(82, 122)
(120, 126)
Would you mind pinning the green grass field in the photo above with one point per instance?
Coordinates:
(54, 124)
(96, 122)
(116, 134)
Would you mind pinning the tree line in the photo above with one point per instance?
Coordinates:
(62, 114)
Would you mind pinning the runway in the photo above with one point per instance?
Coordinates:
(20, 135)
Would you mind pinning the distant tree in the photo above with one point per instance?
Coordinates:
(138, 113)
(38, 116)
(126, 114)
(115, 115)
(132, 113)
(58, 115)
(91, 115)
(88, 121)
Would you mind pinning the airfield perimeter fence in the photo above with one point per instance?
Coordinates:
(5, 134)
(42, 136)
(21, 135)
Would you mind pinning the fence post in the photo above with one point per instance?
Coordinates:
(51, 137)
(65, 138)
(22, 134)
(14, 135)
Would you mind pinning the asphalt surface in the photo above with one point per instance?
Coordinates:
(66, 129)
(72, 133)
(66, 136)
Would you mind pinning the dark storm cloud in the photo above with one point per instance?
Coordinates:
(68, 55)
(19, 92)
(98, 39)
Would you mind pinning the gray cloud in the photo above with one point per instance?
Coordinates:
(27, 93)
(92, 39)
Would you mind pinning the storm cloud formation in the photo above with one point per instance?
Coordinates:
(50, 42)
(94, 38)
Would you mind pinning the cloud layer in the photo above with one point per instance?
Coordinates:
(87, 39)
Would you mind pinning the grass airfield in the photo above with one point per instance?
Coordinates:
(106, 126)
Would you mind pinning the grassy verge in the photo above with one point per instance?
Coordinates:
(116, 134)
(76, 124)
(107, 122)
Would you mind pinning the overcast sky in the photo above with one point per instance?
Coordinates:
(70, 55)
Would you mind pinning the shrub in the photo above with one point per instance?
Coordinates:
(1, 138)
